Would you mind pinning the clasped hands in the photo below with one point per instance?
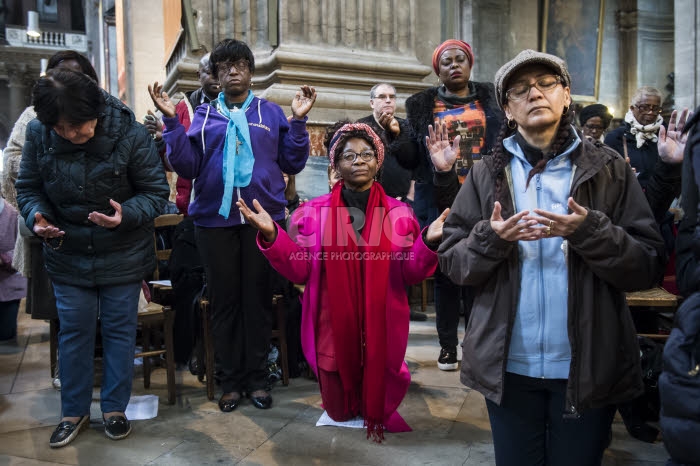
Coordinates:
(527, 226)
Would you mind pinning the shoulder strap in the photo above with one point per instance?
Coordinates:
(624, 146)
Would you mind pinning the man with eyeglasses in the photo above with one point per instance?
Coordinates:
(395, 134)
(636, 139)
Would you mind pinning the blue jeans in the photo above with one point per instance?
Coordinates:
(529, 427)
(78, 311)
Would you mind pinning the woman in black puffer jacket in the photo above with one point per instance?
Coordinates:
(90, 184)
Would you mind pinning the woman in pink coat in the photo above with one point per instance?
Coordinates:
(355, 249)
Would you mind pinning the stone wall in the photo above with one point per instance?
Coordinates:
(687, 53)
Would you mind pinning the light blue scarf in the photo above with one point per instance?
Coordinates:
(238, 157)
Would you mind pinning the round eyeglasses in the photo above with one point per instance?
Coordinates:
(350, 156)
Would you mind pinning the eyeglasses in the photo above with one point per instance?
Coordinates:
(648, 108)
(593, 127)
(522, 90)
(385, 96)
(241, 65)
(350, 156)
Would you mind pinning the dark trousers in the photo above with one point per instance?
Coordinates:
(8, 319)
(448, 297)
(238, 285)
(529, 427)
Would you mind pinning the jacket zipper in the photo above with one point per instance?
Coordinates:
(542, 312)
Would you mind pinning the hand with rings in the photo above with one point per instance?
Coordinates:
(552, 224)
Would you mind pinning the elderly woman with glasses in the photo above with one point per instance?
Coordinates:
(356, 249)
(550, 231)
(637, 139)
(237, 147)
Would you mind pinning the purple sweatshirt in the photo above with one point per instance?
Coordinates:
(12, 285)
(197, 154)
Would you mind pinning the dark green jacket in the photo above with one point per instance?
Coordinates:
(66, 182)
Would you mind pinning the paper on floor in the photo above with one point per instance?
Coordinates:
(325, 420)
(142, 407)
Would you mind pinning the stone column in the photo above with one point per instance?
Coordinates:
(687, 54)
(19, 88)
(342, 48)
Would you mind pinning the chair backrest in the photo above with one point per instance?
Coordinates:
(163, 253)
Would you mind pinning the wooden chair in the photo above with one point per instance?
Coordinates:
(206, 348)
(159, 319)
(655, 300)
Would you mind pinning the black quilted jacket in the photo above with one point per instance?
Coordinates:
(65, 182)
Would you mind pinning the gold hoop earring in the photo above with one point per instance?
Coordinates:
(512, 124)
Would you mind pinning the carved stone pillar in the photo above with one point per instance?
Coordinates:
(19, 84)
(342, 48)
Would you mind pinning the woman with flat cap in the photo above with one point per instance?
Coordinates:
(550, 232)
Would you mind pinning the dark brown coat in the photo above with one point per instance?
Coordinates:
(617, 248)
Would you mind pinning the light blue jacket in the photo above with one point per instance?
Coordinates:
(539, 345)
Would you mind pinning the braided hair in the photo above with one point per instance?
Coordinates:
(502, 158)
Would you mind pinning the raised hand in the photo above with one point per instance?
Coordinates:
(303, 101)
(161, 100)
(44, 229)
(552, 224)
(513, 229)
(442, 154)
(259, 219)
(672, 142)
(107, 221)
(153, 125)
(434, 233)
(390, 123)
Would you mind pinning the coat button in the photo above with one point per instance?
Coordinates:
(90, 247)
(50, 149)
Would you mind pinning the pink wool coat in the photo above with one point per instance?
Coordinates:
(302, 264)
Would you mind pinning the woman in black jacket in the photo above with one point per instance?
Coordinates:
(90, 184)
(469, 111)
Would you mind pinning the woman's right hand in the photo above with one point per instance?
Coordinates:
(161, 100)
(44, 229)
(512, 229)
(260, 219)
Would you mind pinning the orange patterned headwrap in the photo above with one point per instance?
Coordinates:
(451, 44)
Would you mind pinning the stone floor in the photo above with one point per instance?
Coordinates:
(450, 422)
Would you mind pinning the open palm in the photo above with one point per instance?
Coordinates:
(442, 154)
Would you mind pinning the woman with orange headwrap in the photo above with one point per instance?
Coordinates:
(469, 116)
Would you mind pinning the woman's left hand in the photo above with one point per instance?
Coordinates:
(303, 101)
(672, 142)
(442, 154)
(559, 224)
(107, 221)
(434, 233)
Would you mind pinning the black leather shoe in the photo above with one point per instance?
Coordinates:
(261, 402)
(229, 405)
(117, 427)
(66, 432)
